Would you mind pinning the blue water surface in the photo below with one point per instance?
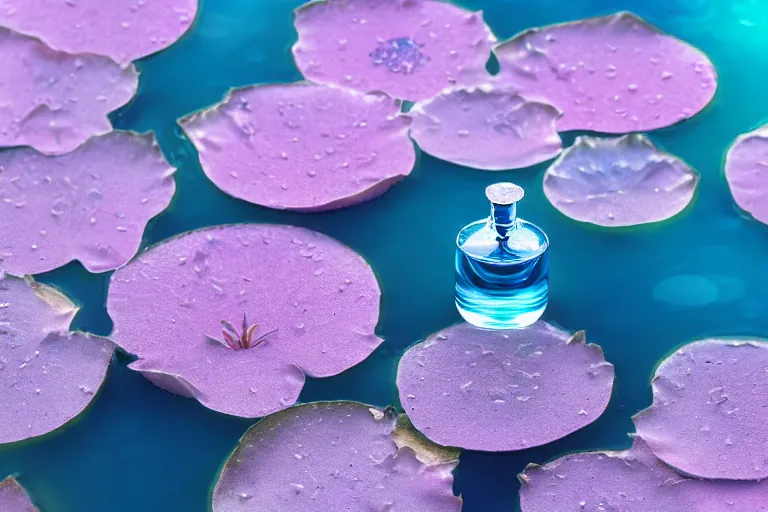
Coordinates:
(139, 448)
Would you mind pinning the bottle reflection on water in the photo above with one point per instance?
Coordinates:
(502, 265)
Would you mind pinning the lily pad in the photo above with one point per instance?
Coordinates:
(13, 497)
(48, 376)
(710, 410)
(486, 127)
(90, 205)
(409, 49)
(630, 481)
(54, 101)
(123, 30)
(302, 146)
(495, 390)
(746, 169)
(621, 181)
(315, 303)
(613, 74)
(336, 456)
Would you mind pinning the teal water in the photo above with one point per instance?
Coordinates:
(141, 449)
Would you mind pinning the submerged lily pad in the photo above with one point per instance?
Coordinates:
(315, 303)
(123, 30)
(13, 497)
(630, 481)
(91, 204)
(54, 101)
(336, 456)
(710, 410)
(746, 169)
(47, 375)
(302, 146)
(613, 74)
(503, 390)
(410, 49)
(620, 181)
(486, 127)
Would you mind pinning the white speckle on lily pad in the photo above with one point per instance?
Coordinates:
(336, 456)
(621, 181)
(495, 390)
(710, 410)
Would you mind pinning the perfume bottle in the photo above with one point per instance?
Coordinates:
(502, 265)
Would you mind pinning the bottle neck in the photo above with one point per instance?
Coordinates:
(503, 217)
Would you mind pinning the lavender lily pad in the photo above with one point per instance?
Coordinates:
(13, 497)
(123, 30)
(710, 410)
(621, 181)
(54, 101)
(630, 481)
(303, 147)
(746, 169)
(409, 49)
(336, 456)
(486, 127)
(611, 74)
(241, 313)
(91, 204)
(503, 390)
(47, 375)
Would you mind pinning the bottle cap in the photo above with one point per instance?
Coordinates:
(504, 193)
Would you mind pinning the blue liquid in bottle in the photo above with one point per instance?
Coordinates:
(502, 265)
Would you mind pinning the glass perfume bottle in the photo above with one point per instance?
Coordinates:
(502, 265)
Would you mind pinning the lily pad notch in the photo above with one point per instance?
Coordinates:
(314, 302)
(336, 456)
(503, 390)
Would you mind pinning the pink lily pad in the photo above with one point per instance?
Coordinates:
(409, 49)
(710, 410)
(123, 30)
(336, 456)
(13, 497)
(48, 376)
(503, 390)
(315, 301)
(621, 181)
(91, 204)
(301, 146)
(54, 101)
(630, 481)
(746, 169)
(613, 74)
(486, 127)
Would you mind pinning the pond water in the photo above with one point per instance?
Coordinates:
(638, 292)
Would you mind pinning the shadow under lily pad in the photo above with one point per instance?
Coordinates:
(486, 127)
(54, 101)
(612, 74)
(123, 30)
(303, 146)
(91, 204)
(409, 49)
(630, 481)
(621, 181)
(746, 169)
(13, 497)
(315, 302)
(503, 390)
(336, 456)
(710, 410)
(47, 375)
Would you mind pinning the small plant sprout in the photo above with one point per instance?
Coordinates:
(242, 340)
